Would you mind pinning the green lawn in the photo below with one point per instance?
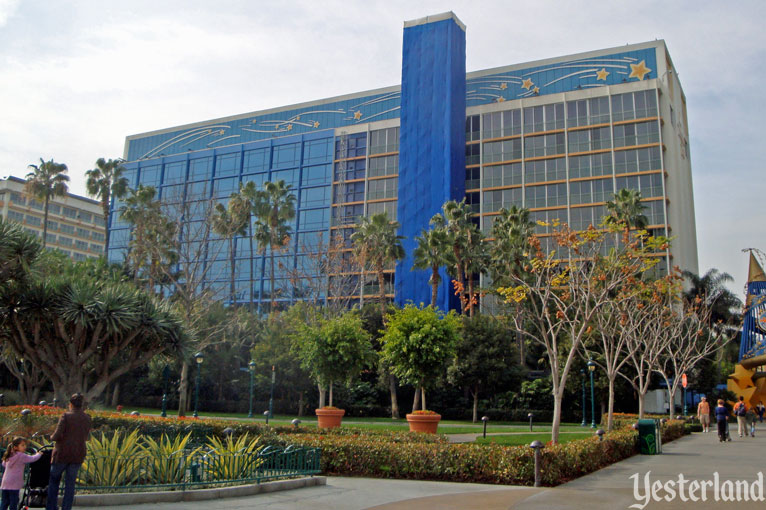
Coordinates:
(525, 439)
(445, 426)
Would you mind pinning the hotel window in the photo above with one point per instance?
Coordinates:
(348, 170)
(223, 188)
(382, 207)
(15, 216)
(500, 124)
(473, 201)
(587, 192)
(150, 175)
(546, 196)
(96, 247)
(286, 155)
(16, 198)
(382, 188)
(291, 177)
(544, 118)
(502, 175)
(502, 151)
(637, 160)
(98, 220)
(97, 236)
(502, 199)
(654, 212)
(130, 176)
(79, 257)
(175, 173)
(200, 169)
(587, 112)
(634, 105)
(256, 160)
(343, 215)
(472, 180)
(384, 140)
(583, 217)
(50, 238)
(641, 133)
(54, 209)
(349, 192)
(317, 151)
(33, 220)
(227, 165)
(65, 241)
(81, 232)
(591, 165)
(85, 216)
(649, 185)
(472, 154)
(554, 220)
(544, 145)
(386, 165)
(356, 145)
(198, 190)
(315, 197)
(589, 140)
(314, 175)
(53, 225)
(34, 204)
(545, 170)
(472, 132)
(67, 229)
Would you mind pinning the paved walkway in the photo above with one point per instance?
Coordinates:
(697, 456)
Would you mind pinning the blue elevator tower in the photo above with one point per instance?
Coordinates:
(432, 141)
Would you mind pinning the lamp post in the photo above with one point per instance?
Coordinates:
(165, 377)
(199, 358)
(584, 422)
(271, 394)
(251, 368)
(485, 419)
(591, 369)
(21, 377)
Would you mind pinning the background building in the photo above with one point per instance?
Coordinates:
(75, 223)
(558, 136)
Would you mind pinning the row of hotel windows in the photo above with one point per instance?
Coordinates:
(625, 135)
(590, 165)
(584, 112)
(59, 210)
(36, 221)
(65, 241)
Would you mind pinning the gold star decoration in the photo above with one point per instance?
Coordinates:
(536, 90)
(500, 99)
(316, 123)
(220, 132)
(297, 117)
(639, 70)
(527, 84)
(357, 115)
(602, 74)
(503, 86)
(255, 121)
(289, 127)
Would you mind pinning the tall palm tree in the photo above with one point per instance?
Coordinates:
(247, 194)
(433, 252)
(142, 211)
(711, 288)
(377, 243)
(626, 209)
(104, 182)
(511, 232)
(229, 222)
(456, 218)
(47, 180)
(274, 209)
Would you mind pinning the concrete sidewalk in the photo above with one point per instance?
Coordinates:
(697, 456)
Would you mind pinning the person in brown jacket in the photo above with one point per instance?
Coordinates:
(69, 453)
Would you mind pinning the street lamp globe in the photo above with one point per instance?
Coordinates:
(591, 365)
(251, 366)
(199, 357)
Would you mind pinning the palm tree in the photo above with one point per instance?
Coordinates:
(142, 211)
(247, 194)
(456, 219)
(274, 209)
(711, 288)
(18, 251)
(511, 232)
(47, 180)
(626, 209)
(230, 222)
(377, 243)
(104, 182)
(433, 252)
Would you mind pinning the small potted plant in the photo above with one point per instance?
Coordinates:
(334, 351)
(417, 345)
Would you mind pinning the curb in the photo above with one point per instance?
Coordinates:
(137, 498)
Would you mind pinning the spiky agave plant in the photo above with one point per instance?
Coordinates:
(115, 461)
(232, 459)
(167, 459)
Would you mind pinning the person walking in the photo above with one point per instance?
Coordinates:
(721, 415)
(69, 453)
(750, 419)
(740, 411)
(14, 460)
(760, 408)
(703, 414)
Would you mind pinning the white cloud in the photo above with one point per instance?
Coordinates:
(7, 8)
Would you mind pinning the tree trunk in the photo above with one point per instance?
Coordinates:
(434, 285)
(252, 264)
(416, 400)
(641, 397)
(330, 393)
(470, 295)
(394, 400)
(381, 289)
(322, 395)
(35, 394)
(475, 394)
(183, 389)
(45, 222)
(300, 404)
(522, 354)
(116, 393)
(105, 209)
(273, 291)
(232, 290)
(610, 405)
(556, 424)
(423, 398)
(672, 403)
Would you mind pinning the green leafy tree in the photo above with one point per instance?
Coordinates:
(485, 358)
(418, 345)
(511, 232)
(377, 244)
(433, 252)
(626, 210)
(104, 182)
(46, 181)
(335, 351)
(274, 209)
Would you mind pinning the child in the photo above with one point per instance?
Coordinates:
(14, 460)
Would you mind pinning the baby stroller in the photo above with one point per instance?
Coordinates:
(36, 488)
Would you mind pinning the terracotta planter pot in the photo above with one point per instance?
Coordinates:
(426, 423)
(329, 418)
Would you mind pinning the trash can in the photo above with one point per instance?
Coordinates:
(649, 437)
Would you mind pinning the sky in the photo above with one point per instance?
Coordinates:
(77, 77)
